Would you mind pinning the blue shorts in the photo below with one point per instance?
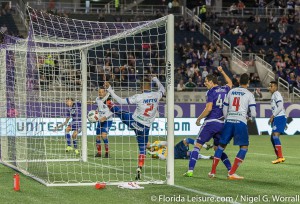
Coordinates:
(236, 129)
(210, 130)
(75, 126)
(279, 124)
(141, 131)
(180, 150)
(103, 127)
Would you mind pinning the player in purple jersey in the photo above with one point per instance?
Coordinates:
(213, 114)
(74, 112)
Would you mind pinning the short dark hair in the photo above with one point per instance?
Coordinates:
(101, 87)
(244, 79)
(213, 78)
(274, 82)
(69, 99)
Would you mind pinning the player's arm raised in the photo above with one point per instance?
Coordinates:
(161, 88)
(204, 113)
(227, 79)
(115, 96)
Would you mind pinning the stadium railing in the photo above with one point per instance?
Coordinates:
(206, 30)
(246, 12)
(295, 95)
(264, 70)
(238, 65)
(106, 8)
(284, 88)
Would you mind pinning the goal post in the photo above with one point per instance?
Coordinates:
(66, 58)
(170, 99)
(84, 105)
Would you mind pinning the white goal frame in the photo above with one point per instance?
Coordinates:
(83, 48)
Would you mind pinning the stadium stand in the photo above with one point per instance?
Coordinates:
(197, 54)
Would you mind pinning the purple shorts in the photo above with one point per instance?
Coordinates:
(210, 130)
(75, 126)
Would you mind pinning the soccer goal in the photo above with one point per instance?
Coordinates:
(66, 58)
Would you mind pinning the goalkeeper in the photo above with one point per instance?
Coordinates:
(181, 150)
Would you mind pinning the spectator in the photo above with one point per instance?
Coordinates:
(241, 47)
(12, 111)
(204, 73)
(240, 40)
(190, 85)
(237, 30)
(257, 94)
(233, 9)
(202, 14)
(241, 6)
(282, 27)
(175, 3)
(254, 80)
(281, 73)
(180, 86)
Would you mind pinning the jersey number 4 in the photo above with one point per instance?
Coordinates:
(236, 103)
(150, 108)
(220, 100)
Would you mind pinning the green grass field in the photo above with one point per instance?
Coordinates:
(262, 181)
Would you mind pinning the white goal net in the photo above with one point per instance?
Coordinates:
(60, 68)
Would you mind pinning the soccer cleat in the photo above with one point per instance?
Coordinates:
(98, 154)
(188, 174)
(69, 148)
(210, 175)
(209, 146)
(106, 155)
(279, 160)
(211, 157)
(76, 151)
(138, 173)
(234, 177)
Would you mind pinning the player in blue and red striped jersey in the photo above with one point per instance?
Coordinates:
(74, 112)
(236, 105)
(213, 123)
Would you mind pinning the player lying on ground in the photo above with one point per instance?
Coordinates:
(143, 116)
(235, 109)
(213, 123)
(277, 121)
(159, 149)
(105, 120)
(74, 112)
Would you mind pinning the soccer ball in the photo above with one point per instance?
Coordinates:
(93, 116)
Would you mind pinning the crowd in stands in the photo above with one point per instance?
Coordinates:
(195, 57)
(276, 38)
